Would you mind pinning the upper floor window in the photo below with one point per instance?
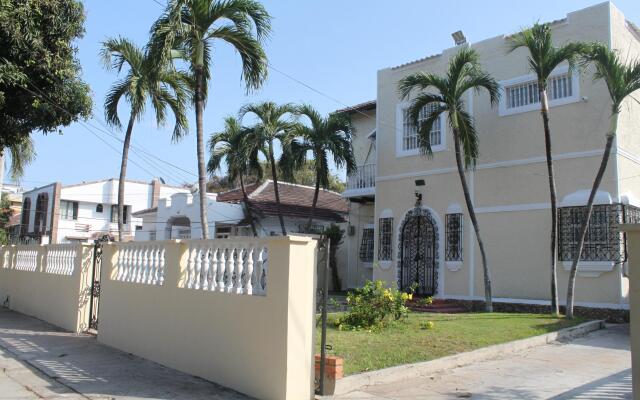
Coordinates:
(521, 94)
(69, 210)
(454, 235)
(26, 210)
(42, 207)
(99, 208)
(410, 139)
(385, 234)
(114, 213)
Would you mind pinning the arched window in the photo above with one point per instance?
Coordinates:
(99, 208)
(42, 208)
(26, 210)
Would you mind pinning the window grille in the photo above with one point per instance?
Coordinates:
(385, 235)
(410, 132)
(69, 210)
(114, 213)
(455, 237)
(604, 240)
(366, 245)
(526, 93)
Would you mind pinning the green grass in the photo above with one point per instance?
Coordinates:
(407, 342)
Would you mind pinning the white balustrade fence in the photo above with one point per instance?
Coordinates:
(27, 258)
(227, 266)
(61, 258)
(142, 262)
(363, 178)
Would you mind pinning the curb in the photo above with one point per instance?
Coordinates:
(409, 371)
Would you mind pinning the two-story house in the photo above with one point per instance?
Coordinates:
(431, 242)
(82, 212)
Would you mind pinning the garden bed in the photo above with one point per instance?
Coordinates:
(412, 341)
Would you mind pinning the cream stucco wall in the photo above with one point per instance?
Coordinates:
(62, 300)
(509, 185)
(259, 345)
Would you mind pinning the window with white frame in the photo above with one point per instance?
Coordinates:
(454, 234)
(68, 210)
(366, 245)
(523, 94)
(410, 139)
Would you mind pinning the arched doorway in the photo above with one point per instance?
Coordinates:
(418, 252)
(178, 227)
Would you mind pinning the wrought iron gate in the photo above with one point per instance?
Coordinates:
(418, 246)
(94, 294)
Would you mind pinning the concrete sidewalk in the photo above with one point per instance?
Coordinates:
(38, 361)
(596, 366)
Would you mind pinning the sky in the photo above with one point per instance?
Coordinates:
(322, 52)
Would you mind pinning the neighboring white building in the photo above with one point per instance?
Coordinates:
(82, 212)
(178, 217)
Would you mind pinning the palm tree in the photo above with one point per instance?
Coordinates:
(622, 81)
(189, 29)
(234, 146)
(148, 80)
(273, 125)
(326, 137)
(464, 73)
(21, 154)
(543, 59)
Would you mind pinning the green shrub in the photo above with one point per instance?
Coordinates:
(373, 306)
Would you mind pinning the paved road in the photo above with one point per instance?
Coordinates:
(38, 361)
(597, 366)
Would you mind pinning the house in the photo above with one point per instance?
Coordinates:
(295, 200)
(408, 211)
(82, 212)
(14, 195)
(178, 217)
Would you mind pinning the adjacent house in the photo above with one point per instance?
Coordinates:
(407, 212)
(82, 212)
(296, 201)
(178, 217)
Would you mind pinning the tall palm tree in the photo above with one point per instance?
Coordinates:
(543, 58)
(234, 145)
(274, 125)
(325, 137)
(148, 80)
(444, 94)
(189, 29)
(622, 81)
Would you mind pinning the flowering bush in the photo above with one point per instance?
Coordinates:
(374, 306)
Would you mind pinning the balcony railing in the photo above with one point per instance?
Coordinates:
(363, 178)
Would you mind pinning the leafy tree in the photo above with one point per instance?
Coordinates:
(274, 125)
(40, 85)
(325, 137)
(189, 28)
(148, 80)
(446, 96)
(622, 81)
(543, 58)
(305, 174)
(232, 145)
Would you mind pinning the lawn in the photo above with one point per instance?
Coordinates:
(408, 342)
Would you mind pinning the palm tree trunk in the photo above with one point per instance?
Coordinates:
(123, 174)
(1, 169)
(315, 203)
(585, 224)
(472, 215)
(202, 183)
(274, 175)
(248, 207)
(544, 101)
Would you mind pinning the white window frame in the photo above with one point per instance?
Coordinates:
(574, 98)
(66, 210)
(400, 152)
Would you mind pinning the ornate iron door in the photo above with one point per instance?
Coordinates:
(418, 248)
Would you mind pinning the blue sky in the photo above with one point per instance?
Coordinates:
(334, 46)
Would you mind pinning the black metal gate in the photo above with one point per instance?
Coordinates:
(418, 255)
(94, 294)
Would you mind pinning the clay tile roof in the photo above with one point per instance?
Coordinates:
(145, 211)
(366, 106)
(296, 200)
